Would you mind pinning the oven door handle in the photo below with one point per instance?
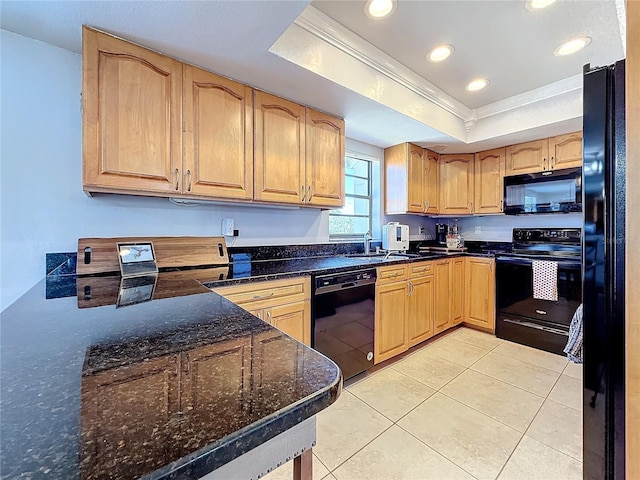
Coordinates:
(536, 326)
(529, 261)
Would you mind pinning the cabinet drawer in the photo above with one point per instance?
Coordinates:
(267, 294)
(420, 269)
(392, 273)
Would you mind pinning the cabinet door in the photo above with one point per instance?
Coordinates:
(131, 119)
(390, 330)
(293, 319)
(279, 166)
(456, 184)
(528, 157)
(218, 136)
(431, 181)
(226, 366)
(457, 290)
(420, 310)
(565, 151)
(480, 296)
(129, 409)
(441, 297)
(415, 170)
(325, 159)
(488, 178)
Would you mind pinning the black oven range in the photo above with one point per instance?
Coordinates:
(522, 316)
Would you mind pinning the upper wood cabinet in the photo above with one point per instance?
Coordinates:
(132, 117)
(488, 181)
(140, 108)
(218, 136)
(456, 184)
(411, 180)
(563, 151)
(324, 159)
(279, 149)
(480, 292)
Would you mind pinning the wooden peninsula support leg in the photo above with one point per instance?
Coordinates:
(303, 466)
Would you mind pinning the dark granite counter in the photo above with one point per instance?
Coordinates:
(169, 388)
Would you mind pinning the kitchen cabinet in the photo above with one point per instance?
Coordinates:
(404, 308)
(456, 184)
(285, 304)
(562, 151)
(218, 136)
(449, 293)
(565, 151)
(324, 159)
(480, 292)
(488, 181)
(132, 118)
(411, 180)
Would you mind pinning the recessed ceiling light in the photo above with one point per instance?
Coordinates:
(379, 8)
(477, 84)
(533, 5)
(572, 46)
(440, 53)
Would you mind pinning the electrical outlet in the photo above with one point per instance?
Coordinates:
(422, 230)
(227, 227)
(478, 230)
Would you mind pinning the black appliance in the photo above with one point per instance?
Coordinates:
(520, 317)
(343, 316)
(604, 158)
(441, 233)
(553, 191)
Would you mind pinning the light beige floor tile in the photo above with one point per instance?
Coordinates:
(345, 427)
(525, 375)
(568, 391)
(397, 455)
(547, 360)
(453, 350)
(475, 337)
(559, 427)
(285, 472)
(431, 370)
(573, 370)
(471, 440)
(501, 401)
(533, 460)
(391, 393)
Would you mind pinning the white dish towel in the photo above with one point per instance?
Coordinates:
(545, 280)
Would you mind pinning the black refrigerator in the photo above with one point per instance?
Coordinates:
(603, 176)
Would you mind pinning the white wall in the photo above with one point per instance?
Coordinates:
(498, 228)
(43, 208)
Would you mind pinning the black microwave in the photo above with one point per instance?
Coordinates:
(556, 191)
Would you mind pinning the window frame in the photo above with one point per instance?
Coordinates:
(345, 237)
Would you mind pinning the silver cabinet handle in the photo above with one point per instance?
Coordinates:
(269, 316)
(259, 315)
(544, 161)
(502, 205)
(472, 206)
(189, 177)
(553, 163)
(177, 178)
(304, 193)
(258, 297)
(310, 191)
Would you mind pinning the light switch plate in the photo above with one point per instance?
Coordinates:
(227, 227)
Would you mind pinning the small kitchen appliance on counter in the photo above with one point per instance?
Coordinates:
(395, 237)
(441, 233)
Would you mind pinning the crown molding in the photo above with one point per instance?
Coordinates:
(325, 28)
(536, 95)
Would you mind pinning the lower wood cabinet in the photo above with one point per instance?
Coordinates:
(457, 290)
(285, 304)
(404, 308)
(480, 296)
(449, 293)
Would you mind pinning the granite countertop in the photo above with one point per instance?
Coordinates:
(169, 388)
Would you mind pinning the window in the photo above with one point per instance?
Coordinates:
(354, 219)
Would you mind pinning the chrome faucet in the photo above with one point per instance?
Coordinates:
(367, 245)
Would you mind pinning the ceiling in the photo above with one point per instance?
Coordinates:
(330, 56)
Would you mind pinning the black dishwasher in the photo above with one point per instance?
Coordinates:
(343, 314)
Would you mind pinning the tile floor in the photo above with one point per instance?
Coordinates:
(466, 405)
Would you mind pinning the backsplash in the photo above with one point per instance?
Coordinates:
(499, 228)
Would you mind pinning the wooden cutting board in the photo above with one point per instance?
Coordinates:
(99, 255)
(444, 249)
